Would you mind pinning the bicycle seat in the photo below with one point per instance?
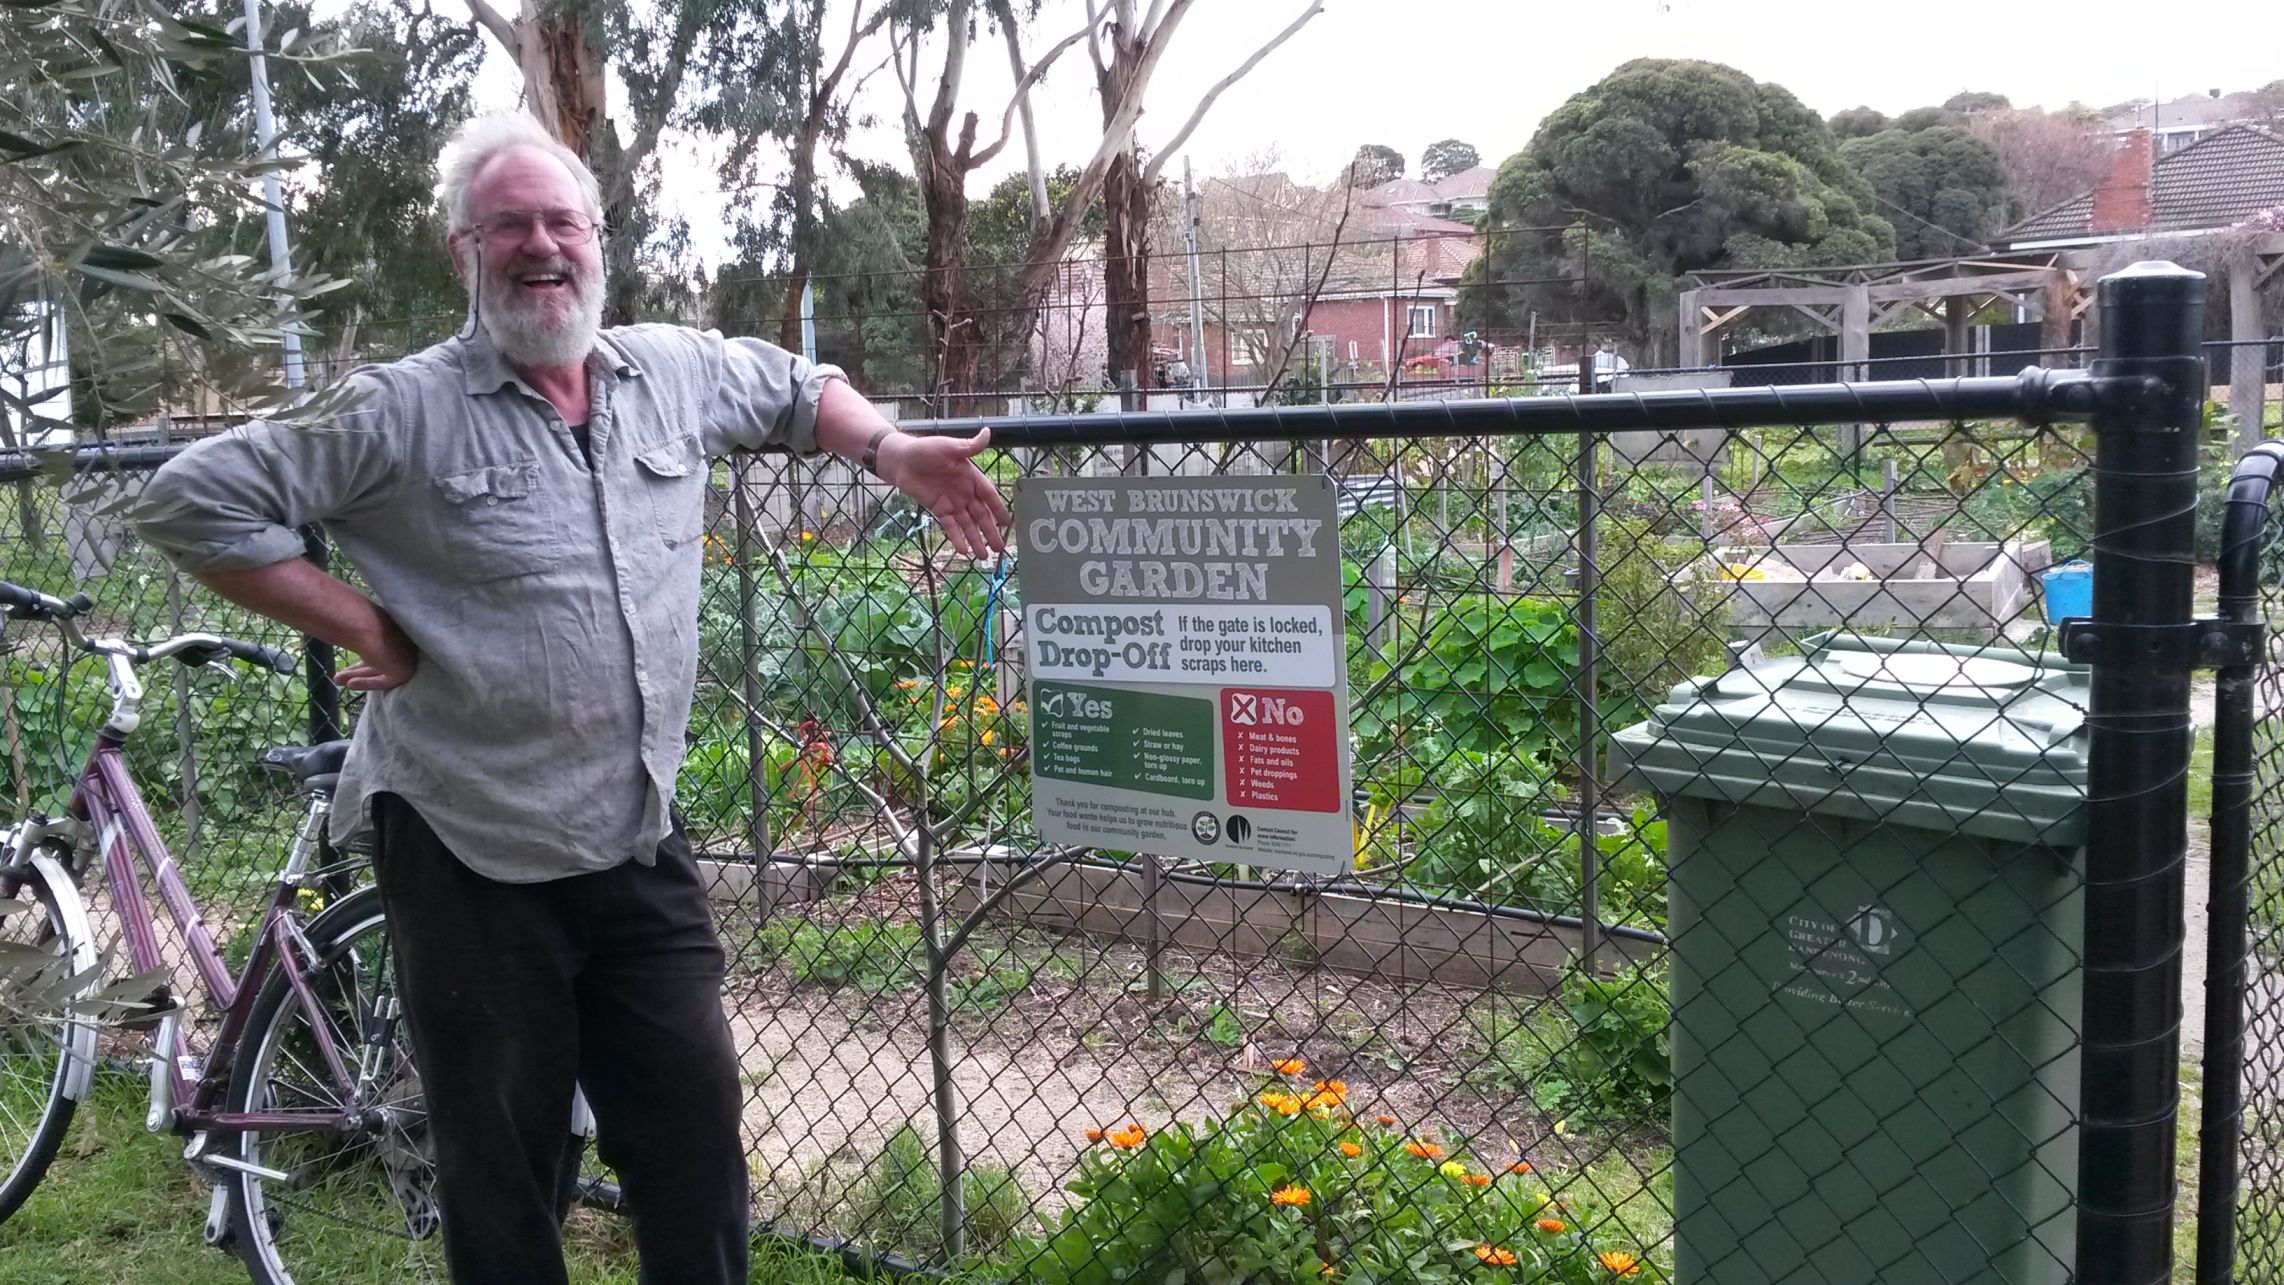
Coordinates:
(311, 766)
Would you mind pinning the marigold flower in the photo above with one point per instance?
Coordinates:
(1333, 1088)
(1495, 1256)
(907, 684)
(1552, 1225)
(955, 692)
(1289, 1066)
(1094, 1135)
(1618, 1262)
(1520, 1166)
(1452, 1169)
(1295, 1196)
(1128, 1138)
(1282, 1103)
(1387, 1120)
(808, 537)
(1476, 1179)
(987, 736)
(1351, 1150)
(1424, 1150)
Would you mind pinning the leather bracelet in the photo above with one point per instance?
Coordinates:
(872, 449)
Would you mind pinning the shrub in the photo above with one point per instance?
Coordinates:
(895, 1201)
(1291, 1190)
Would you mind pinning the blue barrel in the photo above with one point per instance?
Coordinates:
(2069, 592)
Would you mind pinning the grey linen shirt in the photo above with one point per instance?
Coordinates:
(555, 606)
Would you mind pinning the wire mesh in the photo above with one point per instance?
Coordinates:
(968, 1049)
(2260, 1163)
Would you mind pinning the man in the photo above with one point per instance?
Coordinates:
(526, 501)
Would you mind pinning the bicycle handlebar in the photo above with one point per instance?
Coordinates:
(30, 604)
(24, 603)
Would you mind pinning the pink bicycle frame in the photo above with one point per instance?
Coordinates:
(107, 800)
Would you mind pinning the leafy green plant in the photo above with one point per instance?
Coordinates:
(1290, 1189)
(872, 955)
(1603, 1053)
(1486, 674)
(896, 1201)
(1660, 617)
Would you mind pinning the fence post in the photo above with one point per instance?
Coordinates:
(2146, 430)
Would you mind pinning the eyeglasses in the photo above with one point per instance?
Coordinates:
(512, 227)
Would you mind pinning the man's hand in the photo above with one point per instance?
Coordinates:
(940, 473)
(387, 660)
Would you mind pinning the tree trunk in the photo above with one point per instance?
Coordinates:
(943, 288)
(1126, 270)
(803, 191)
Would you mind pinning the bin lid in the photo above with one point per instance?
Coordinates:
(1952, 739)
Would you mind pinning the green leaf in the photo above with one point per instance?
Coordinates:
(189, 325)
(122, 258)
(123, 280)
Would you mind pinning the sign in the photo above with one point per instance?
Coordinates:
(1188, 663)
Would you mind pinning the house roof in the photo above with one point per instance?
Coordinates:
(2194, 110)
(1467, 185)
(2216, 182)
(1400, 191)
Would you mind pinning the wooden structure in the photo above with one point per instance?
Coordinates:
(1853, 301)
(2248, 275)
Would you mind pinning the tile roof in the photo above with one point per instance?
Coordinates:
(2217, 181)
(1467, 185)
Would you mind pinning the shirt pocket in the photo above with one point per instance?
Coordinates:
(674, 475)
(496, 522)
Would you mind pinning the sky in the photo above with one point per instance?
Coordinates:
(1409, 72)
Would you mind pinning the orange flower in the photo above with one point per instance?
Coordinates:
(1295, 1196)
(1495, 1256)
(1128, 1138)
(1282, 1103)
(1094, 1135)
(1424, 1150)
(1552, 1225)
(1387, 1121)
(1618, 1262)
(1520, 1166)
(1476, 1179)
(1289, 1066)
(1351, 1150)
(1333, 1088)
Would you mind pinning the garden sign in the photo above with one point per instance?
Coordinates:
(1188, 663)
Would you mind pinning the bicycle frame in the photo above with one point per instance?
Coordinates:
(184, 1094)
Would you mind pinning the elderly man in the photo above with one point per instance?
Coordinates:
(526, 502)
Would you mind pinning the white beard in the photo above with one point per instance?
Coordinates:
(526, 333)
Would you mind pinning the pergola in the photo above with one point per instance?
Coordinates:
(2055, 286)
(1855, 300)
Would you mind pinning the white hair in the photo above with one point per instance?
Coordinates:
(479, 139)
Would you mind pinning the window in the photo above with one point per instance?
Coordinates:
(1422, 324)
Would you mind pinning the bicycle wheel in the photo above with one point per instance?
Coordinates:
(357, 1204)
(46, 1057)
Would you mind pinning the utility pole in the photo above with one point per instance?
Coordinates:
(316, 654)
(273, 191)
(1199, 375)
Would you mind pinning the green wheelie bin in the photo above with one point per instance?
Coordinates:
(1875, 855)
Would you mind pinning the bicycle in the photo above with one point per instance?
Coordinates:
(307, 1117)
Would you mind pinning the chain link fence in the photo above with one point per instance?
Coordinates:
(1471, 1054)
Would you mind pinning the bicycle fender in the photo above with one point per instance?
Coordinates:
(74, 913)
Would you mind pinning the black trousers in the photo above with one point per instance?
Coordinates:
(514, 992)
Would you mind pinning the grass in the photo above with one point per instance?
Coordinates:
(2201, 775)
(120, 1206)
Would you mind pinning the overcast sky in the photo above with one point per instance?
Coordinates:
(1409, 72)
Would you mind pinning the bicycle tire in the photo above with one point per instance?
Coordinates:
(64, 1072)
(281, 1234)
